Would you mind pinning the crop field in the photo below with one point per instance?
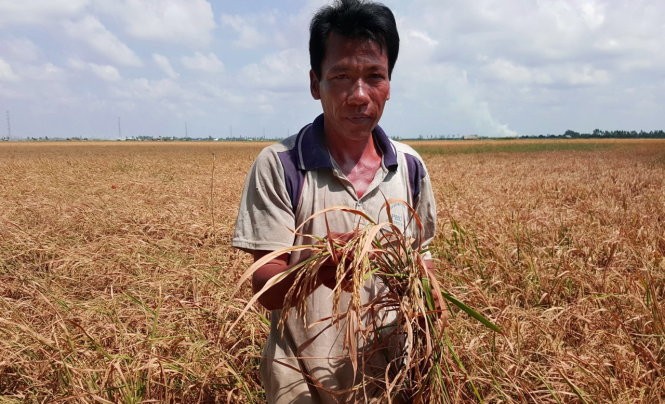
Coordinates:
(117, 277)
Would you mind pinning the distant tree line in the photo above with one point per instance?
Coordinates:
(607, 134)
(197, 139)
(569, 134)
(53, 139)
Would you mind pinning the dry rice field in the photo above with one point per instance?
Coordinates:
(116, 275)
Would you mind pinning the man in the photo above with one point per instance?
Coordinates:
(342, 158)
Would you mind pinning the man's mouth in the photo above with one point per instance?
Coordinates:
(360, 119)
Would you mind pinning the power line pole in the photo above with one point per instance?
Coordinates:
(119, 129)
(9, 127)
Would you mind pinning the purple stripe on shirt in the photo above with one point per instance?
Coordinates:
(310, 153)
(294, 178)
(416, 174)
(387, 149)
(314, 154)
(312, 147)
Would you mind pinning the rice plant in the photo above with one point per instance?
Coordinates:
(404, 323)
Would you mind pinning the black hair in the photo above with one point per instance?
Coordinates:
(355, 19)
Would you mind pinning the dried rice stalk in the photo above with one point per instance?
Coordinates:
(414, 339)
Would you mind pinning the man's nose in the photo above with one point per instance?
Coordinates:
(358, 94)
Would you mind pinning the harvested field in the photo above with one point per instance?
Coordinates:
(116, 272)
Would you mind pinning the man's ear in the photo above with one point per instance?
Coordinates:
(314, 85)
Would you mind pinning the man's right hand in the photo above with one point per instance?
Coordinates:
(273, 298)
(328, 270)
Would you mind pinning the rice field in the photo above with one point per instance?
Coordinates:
(116, 274)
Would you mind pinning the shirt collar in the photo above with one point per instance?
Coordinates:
(313, 153)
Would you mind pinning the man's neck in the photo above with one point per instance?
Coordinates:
(358, 159)
(348, 153)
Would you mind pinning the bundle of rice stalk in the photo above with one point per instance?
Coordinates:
(404, 324)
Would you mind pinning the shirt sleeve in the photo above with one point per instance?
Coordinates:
(265, 216)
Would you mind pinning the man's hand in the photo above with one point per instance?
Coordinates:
(328, 270)
(273, 298)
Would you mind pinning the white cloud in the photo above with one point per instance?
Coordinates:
(104, 72)
(21, 49)
(416, 47)
(585, 75)
(444, 99)
(165, 65)
(224, 94)
(593, 14)
(512, 72)
(523, 55)
(47, 72)
(209, 63)
(147, 90)
(154, 88)
(286, 70)
(248, 36)
(31, 12)
(468, 102)
(179, 21)
(90, 30)
(6, 72)
(422, 36)
(568, 74)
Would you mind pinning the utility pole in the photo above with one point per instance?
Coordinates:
(9, 127)
(119, 129)
(186, 131)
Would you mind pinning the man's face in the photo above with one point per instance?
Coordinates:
(353, 87)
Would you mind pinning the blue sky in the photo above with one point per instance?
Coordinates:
(220, 68)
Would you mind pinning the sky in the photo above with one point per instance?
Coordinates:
(123, 68)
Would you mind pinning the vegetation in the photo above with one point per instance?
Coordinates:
(412, 343)
(116, 275)
(615, 134)
(568, 134)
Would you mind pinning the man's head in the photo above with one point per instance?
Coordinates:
(353, 19)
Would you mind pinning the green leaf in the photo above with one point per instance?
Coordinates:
(468, 310)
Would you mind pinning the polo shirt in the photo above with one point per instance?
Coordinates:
(288, 182)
